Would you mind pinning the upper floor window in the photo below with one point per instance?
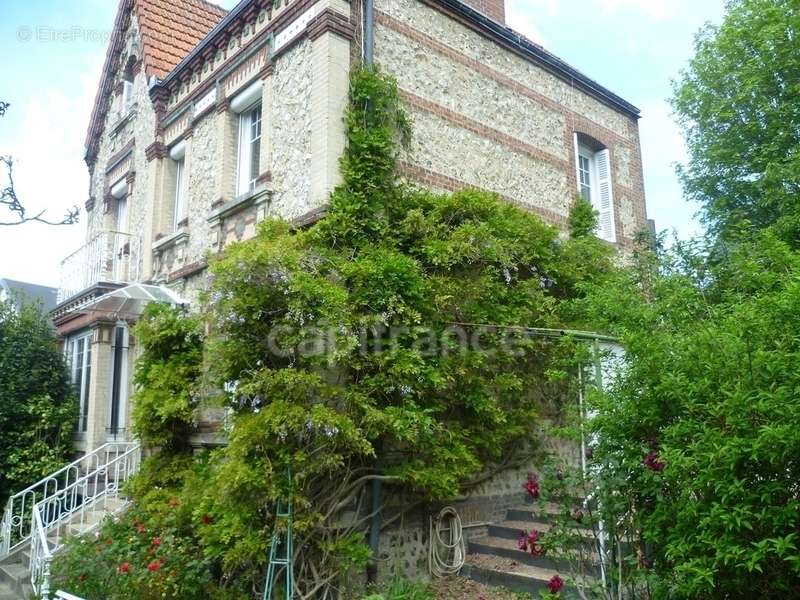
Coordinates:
(120, 193)
(593, 163)
(127, 95)
(177, 155)
(249, 149)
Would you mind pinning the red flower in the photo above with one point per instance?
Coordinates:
(154, 566)
(555, 584)
(156, 541)
(532, 485)
(533, 536)
(206, 520)
(125, 568)
(653, 462)
(140, 527)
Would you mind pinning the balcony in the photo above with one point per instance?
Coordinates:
(111, 257)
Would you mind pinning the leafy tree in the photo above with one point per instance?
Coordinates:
(698, 439)
(739, 103)
(167, 377)
(37, 403)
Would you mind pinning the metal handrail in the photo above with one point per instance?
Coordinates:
(16, 523)
(55, 513)
(40, 568)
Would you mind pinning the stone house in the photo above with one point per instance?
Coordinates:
(206, 122)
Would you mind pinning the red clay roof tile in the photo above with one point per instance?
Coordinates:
(170, 29)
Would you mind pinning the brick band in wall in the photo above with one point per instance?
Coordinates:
(456, 56)
(426, 177)
(482, 130)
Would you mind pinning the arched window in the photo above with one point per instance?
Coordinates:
(593, 166)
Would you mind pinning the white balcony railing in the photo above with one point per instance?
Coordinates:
(111, 257)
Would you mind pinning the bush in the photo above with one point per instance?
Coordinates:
(38, 406)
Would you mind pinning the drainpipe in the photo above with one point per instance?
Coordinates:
(375, 529)
(369, 32)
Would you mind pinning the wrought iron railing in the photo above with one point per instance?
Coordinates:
(16, 524)
(110, 256)
(68, 510)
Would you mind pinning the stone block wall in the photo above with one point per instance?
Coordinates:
(488, 117)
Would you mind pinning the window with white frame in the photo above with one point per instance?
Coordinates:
(593, 164)
(177, 155)
(127, 96)
(249, 149)
(78, 351)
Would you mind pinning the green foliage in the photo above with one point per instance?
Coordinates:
(339, 350)
(38, 406)
(401, 589)
(582, 219)
(152, 551)
(699, 438)
(739, 103)
(166, 376)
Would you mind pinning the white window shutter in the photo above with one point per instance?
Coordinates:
(605, 197)
(577, 162)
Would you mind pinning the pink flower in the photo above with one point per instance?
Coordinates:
(555, 584)
(156, 542)
(533, 536)
(532, 485)
(125, 568)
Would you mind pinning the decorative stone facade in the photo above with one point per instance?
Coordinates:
(487, 113)
(488, 117)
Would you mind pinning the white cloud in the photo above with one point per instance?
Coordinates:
(49, 175)
(520, 17)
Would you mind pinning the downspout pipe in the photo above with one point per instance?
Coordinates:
(369, 32)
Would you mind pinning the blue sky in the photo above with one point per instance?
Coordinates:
(53, 52)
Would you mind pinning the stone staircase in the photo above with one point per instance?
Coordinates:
(71, 501)
(15, 574)
(496, 560)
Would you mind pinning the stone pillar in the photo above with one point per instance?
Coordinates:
(99, 386)
(225, 176)
(155, 165)
(329, 94)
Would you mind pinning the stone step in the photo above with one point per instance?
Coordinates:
(513, 529)
(506, 548)
(510, 574)
(16, 578)
(544, 512)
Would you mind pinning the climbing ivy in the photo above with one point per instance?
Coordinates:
(385, 342)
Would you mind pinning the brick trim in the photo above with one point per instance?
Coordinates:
(456, 56)
(331, 21)
(424, 177)
(482, 130)
(451, 184)
(120, 156)
(155, 150)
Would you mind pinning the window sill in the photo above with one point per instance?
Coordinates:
(179, 237)
(227, 209)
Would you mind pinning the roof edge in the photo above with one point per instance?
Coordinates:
(501, 32)
(533, 50)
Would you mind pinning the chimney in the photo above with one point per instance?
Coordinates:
(494, 9)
